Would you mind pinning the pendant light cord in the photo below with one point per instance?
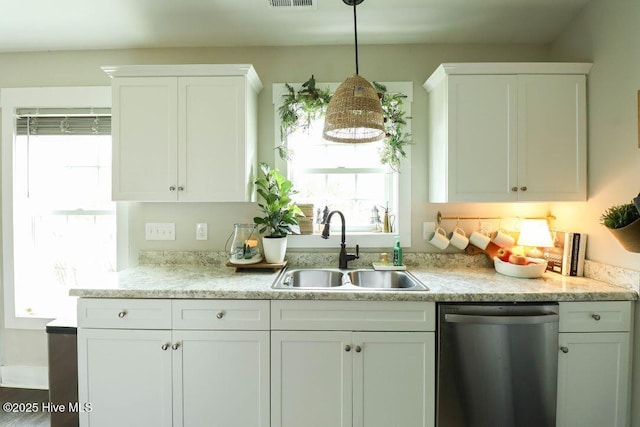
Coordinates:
(355, 32)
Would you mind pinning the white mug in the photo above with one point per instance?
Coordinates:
(459, 238)
(502, 239)
(479, 239)
(439, 239)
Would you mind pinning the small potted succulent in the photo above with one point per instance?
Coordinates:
(623, 221)
(278, 212)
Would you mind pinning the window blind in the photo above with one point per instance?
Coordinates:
(63, 121)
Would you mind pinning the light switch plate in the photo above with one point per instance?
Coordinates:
(160, 231)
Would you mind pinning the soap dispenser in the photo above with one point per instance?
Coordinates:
(397, 253)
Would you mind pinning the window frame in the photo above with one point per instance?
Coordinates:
(401, 182)
(36, 97)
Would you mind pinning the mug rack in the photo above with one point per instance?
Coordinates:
(440, 218)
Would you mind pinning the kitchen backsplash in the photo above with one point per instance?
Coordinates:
(626, 278)
(314, 259)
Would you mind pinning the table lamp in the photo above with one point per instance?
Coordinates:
(535, 234)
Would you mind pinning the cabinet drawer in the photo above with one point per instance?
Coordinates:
(124, 313)
(353, 315)
(602, 316)
(221, 314)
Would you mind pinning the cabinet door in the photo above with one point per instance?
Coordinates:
(145, 138)
(221, 378)
(593, 378)
(126, 377)
(394, 379)
(482, 152)
(213, 144)
(552, 144)
(311, 382)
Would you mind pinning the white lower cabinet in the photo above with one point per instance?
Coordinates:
(311, 378)
(594, 364)
(145, 377)
(125, 377)
(344, 378)
(163, 363)
(221, 378)
(393, 379)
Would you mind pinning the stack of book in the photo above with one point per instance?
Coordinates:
(306, 222)
(567, 255)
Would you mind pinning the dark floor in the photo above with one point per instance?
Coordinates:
(23, 407)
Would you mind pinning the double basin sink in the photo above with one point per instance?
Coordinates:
(337, 279)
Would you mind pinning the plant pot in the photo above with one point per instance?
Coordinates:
(274, 249)
(628, 236)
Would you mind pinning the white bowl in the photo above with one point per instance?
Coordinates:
(531, 271)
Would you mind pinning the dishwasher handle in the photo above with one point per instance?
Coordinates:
(502, 320)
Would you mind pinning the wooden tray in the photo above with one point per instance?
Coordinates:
(258, 265)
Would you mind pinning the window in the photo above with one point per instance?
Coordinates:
(344, 177)
(349, 178)
(59, 221)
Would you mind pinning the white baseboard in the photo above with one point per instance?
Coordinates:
(24, 377)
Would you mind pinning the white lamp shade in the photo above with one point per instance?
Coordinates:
(535, 232)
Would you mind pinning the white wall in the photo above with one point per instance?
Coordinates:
(607, 33)
(274, 65)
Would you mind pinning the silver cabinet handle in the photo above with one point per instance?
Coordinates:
(523, 188)
(122, 314)
(347, 347)
(172, 188)
(175, 346)
(165, 346)
(514, 189)
(595, 317)
(358, 349)
(564, 349)
(220, 315)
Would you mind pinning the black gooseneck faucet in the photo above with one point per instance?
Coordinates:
(344, 257)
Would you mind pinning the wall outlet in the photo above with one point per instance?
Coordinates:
(201, 231)
(427, 229)
(160, 231)
(486, 226)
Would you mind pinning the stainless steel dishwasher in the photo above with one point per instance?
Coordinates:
(497, 365)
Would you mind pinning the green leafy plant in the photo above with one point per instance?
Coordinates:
(619, 216)
(279, 211)
(396, 140)
(301, 107)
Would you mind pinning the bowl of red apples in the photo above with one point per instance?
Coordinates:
(515, 265)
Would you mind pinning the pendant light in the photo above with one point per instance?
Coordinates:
(354, 114)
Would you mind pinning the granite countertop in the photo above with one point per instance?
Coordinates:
(457, 283)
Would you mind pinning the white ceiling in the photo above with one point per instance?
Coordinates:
(34, 25)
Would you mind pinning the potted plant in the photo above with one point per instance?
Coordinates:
(279, 212)
(623, 221)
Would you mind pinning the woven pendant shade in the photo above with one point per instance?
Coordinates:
(354, 113)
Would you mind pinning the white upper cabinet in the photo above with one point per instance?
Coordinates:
(184, 133)
(507, 132)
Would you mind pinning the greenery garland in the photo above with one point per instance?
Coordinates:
(396, 140)
(299, 108)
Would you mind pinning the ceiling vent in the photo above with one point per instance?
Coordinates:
(293, 4)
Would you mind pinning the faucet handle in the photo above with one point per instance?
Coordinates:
(357, 251)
